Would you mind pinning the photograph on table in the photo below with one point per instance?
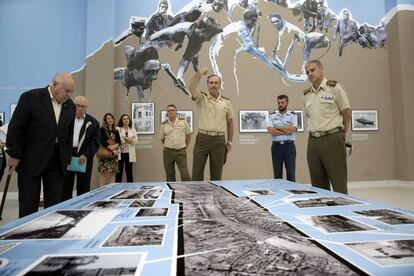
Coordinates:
(301, 192)
(152, 193)
(253, 120)
(325, 202)
(143, 118)
(102, 204)
(258, 192)
(301, 124)
(142, 203)
(386, 253)
(387, 216)
(364, 120)
(63, 224)
(236, 234)
(335, 224)
(136, 235)
(152, 212)
(88, 264)
(181, 114)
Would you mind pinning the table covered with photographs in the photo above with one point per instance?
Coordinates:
(253, 227)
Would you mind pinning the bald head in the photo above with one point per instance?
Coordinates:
(62, 87)
(81, 103)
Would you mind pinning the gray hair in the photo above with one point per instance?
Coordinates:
(314, 61)
(61, 77)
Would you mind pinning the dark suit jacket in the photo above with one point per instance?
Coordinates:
(33, 131)
(92, 139)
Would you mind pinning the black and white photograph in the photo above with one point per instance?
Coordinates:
(386, 253)
(88, 264)
(182, 114)
(6, 247)
(387, 216)
(364, 120)
(12, 108)
(143, 118)
(152, 212)
(142, 203)
(301, 124)
(253, 120)
(250, 239)
(136, 235)
(102, 204)
(335, 224)
(152, 193)
(258, 192)
(325, 202)
(63, 224)
(301, 191)
(3, 262)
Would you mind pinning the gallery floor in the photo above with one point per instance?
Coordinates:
(397, 193)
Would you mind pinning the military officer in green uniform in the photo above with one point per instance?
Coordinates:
(328, 112)
(175, 134)
(215, 116)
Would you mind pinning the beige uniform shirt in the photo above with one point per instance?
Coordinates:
(323, 106)
(174, 134)
(214, 113)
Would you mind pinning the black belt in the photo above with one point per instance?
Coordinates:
(283, 142)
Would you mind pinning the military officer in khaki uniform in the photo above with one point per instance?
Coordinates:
(328, 113)
(175, 134)
(215, 116)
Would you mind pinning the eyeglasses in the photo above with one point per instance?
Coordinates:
(170, 110)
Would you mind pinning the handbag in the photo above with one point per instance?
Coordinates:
(105, 153)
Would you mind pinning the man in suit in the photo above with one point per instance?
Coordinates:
(86, 141)
(39, 142)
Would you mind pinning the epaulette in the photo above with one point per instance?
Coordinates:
(225, 98)
(293, 112)
(274, 112)
(166, 121)
(306, 91)
(205, 94)
(331, 83)
(181, 119)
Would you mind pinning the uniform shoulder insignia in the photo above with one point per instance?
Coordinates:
(166, 121)
(306, 91)
(293, 112)
(225, 98)
(331, 83)
(181, 119)
(205, 94)
(274, 112)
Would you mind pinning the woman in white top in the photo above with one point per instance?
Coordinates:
(127, 150)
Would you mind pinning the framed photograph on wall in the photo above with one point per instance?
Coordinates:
(143, 118)
(182, 114)
(301, 125)
(12, 108)
(253, 120)
(364, 120)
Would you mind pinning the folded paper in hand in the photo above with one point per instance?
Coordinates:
(74, 165)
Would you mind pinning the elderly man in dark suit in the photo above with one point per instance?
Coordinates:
(86, 141)
(39, 142)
